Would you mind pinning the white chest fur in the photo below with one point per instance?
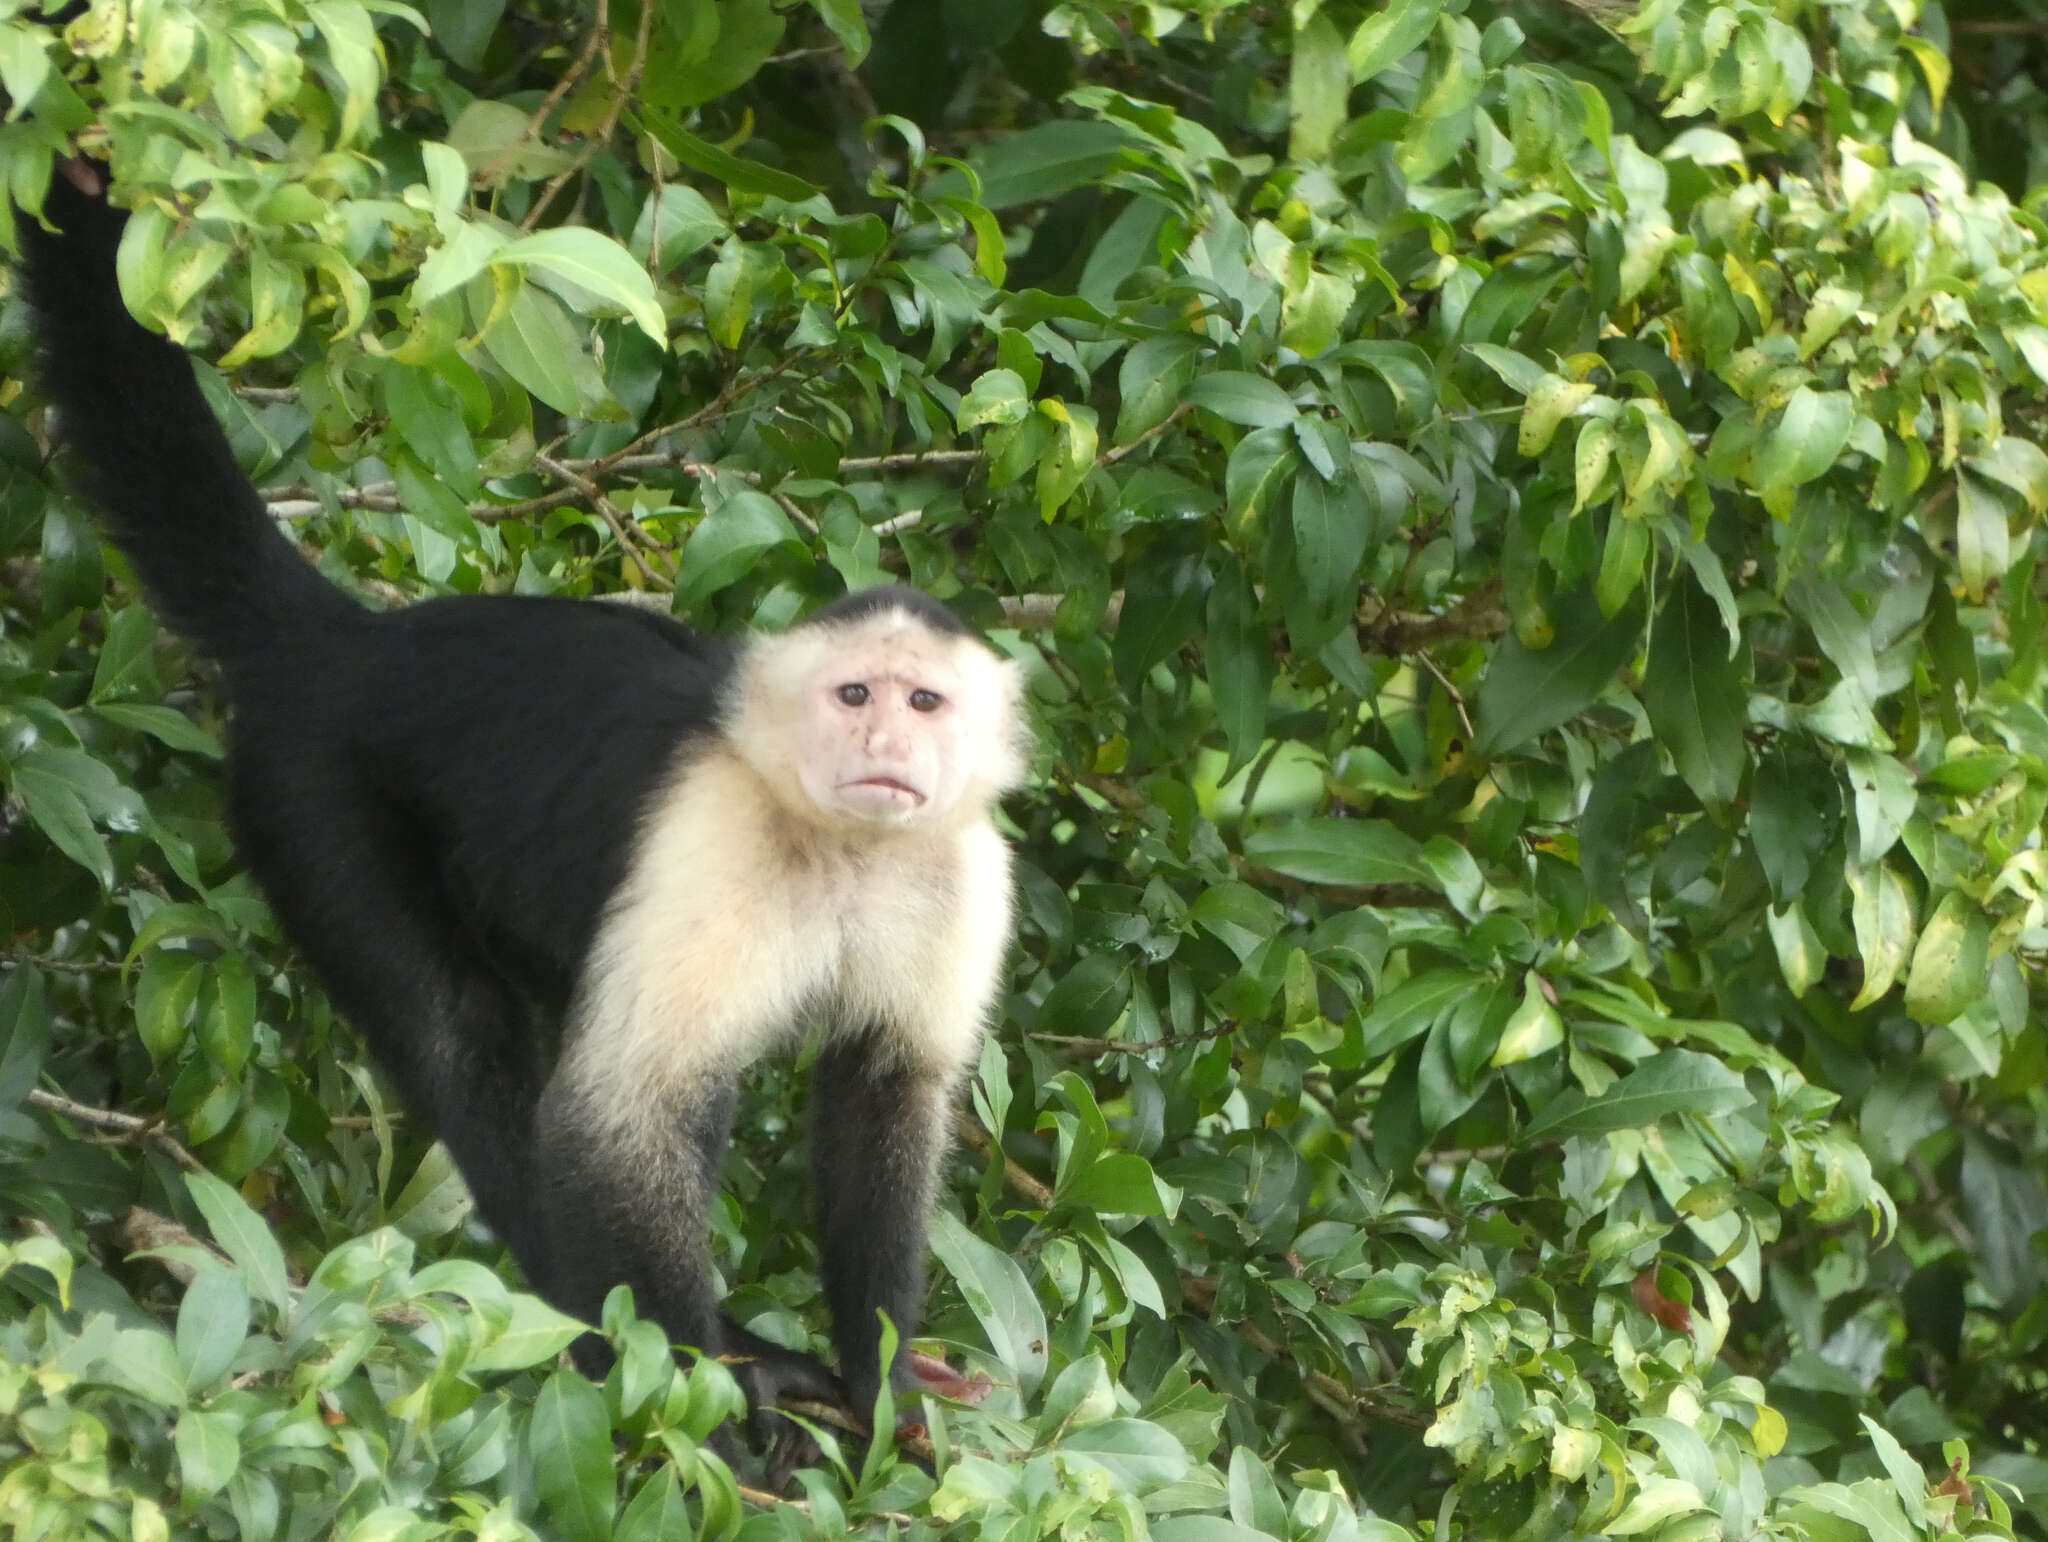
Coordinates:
(738, 927)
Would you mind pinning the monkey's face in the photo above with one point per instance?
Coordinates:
(883, 722)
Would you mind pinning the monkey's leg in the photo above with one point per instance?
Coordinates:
(880, 1133)
(356, 893)
(628, 1194)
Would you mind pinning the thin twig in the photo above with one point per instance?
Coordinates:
(1938, 1203)
(761, 1496)
(1015, 1178)
(1111, 457)
(710, 412)
(622, 91)
(620, 528)
(1198, 1294)
(64, 965)
(127, 1126)
(1081, 1046)
(1457, 697)
(911, 460)
(600, 36)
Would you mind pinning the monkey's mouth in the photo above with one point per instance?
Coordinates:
(890, 789)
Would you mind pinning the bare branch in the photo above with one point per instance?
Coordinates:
(623, 531)
(1081, 1047)
(125, 1127)
(600, 37)
(1015, 1178)
(622, 91)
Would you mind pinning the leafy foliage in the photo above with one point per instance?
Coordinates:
(1525, 523)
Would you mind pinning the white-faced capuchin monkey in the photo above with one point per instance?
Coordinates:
(500, 825)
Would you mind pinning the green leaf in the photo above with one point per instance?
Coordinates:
(851, 28)
(742, 38)
(1949, 961)
(1882, 910)
(1163, 607)
(2020, 465)
(1549, 404)
(1066, 463)
(1237, 397)
(434, 1201)
(127, 663)
(996, 1291)
(997, 396)
(591, 262)
(427, 416)
(227, 1026)
(677, 222)
(1238, 662)
(51, 787)
(1135, 1455)
(1518, 371)
(569, 1444)
(167, 725)
(1341, 851)
(209, 1450)
(1673, 1081)
(463, 27)
(1802, 959)
(534, 1334)
(144, 1361)
(1983, 536)
(355, 58)
(1151, 381)
(657, 1513)
(1528, 692)
(1693, 693)
(1389, 35)
(1533, 1028)
(1120, 1183)
(1806, 440)
(728, 541)
(739, 175)
(1909, 1479)
(24, 1033)
(213, 1319)
(1333, 526)
(1088, 999)
(1048, 159)
(1319, 87)
(1411, 1009)
(535, 343)
(243, 1236)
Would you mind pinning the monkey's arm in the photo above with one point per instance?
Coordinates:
(881, 1129)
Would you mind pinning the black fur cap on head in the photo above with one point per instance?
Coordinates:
(862, 603)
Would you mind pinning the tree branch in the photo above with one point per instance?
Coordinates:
(126, 1127)
(1015, 1178)
(600, 36)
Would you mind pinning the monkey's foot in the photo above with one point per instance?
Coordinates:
(773, 1377)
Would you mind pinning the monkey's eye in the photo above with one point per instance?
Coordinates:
(854, 695)
(925, 701)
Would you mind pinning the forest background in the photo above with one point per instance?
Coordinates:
(1525, 522)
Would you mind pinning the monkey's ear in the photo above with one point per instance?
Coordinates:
(1005, 737)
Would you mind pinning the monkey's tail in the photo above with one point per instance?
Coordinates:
(151, 455)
